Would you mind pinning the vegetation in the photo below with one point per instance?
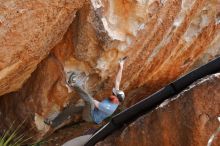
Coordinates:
(12, 137)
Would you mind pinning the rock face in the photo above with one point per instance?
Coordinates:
(189, 119)
(163, 40)
(28, 31)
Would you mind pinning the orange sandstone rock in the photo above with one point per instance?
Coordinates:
(28, 31)
(163, 40)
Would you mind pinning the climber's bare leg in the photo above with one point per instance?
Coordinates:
(89, 103)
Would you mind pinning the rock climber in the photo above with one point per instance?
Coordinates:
(95, 111)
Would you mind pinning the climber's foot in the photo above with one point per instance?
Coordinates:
(72, 79)
(48, 122)
(77, 79)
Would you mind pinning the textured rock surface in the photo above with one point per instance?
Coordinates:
(189, 119)
(163, 39)
(28, 31)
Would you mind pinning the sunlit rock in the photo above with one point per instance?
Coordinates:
(28, 31)
(163, 40)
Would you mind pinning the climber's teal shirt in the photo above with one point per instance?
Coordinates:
(106, 109)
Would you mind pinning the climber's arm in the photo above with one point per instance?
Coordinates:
(119, 74)
(96, 103)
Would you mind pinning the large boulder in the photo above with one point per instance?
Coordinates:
(163, 40)
(28, 31)
(190, 118)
